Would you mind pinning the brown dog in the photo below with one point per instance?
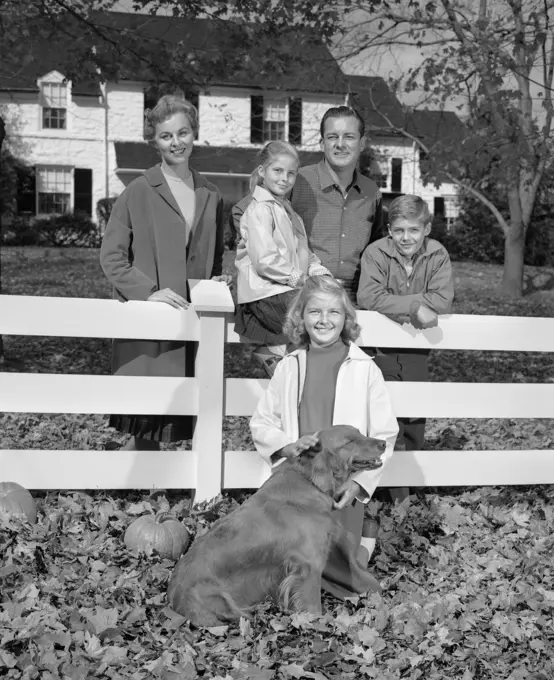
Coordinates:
(277, 543)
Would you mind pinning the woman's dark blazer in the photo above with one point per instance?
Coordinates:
(144, 250)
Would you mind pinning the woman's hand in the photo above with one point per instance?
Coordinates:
(306, 442)
(346, 494)
(223, 278)
(170, 297)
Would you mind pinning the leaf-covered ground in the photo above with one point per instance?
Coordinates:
(76, 273)
(467, 576)
(468, 593)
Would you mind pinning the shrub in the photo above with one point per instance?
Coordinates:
(103, 211)
(59, 231)
(18, 231)
(478, 242)
(477, 236)
(231, 238)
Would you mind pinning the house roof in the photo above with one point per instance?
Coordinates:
(372, 97)
(221, 159)
(434, 127)
(201, 52)
(44, 56)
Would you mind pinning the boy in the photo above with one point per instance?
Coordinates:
(408, 277)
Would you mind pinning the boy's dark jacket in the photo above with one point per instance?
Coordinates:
(386, 287)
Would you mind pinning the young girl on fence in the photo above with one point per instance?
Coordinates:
(273, 258)
(328, 381)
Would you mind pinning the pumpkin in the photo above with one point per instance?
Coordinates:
(16, 500)
(162, 532)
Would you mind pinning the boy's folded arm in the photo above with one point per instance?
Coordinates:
(257, 223)
(373, 295)
(440, 289)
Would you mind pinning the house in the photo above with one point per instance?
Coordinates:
(85, 142)
(396, 158)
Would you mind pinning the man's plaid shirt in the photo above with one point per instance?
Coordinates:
(339, 229)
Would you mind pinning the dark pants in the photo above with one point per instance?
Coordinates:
(337, 578)
(407, 366)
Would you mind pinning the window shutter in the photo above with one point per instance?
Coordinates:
(256, 119)
(26, 191)
(438, 206)
(295, 121)
(396, 175)
(82, 190)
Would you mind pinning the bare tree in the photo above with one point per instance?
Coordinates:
(499, 57)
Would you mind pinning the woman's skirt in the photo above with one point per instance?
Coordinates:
(155, 428)
(158, 428)
(261, 321)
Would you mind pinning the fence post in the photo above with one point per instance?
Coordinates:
(212, 300)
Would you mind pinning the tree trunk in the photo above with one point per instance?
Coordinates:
(514, 251)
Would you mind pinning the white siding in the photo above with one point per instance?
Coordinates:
(225, 117)
(313, 108)
(411, 175)
(126, 111)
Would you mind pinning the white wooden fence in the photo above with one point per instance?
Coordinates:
(210, 397)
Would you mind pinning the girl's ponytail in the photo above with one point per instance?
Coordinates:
(255, 178)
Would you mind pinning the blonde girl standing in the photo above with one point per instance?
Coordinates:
(328, 381)
(273, 258)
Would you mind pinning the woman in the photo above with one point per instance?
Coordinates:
(165, 228)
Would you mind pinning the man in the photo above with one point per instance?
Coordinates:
(340, 207)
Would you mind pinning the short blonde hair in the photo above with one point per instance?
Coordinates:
(268, 154)
(294, 327)
(409, 207)
(168, 106)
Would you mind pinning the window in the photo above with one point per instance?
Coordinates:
(451, 209)
(272, 119)
(275, 119)
(54, 185)
(396, 175)
(381, 180)
(54, 106)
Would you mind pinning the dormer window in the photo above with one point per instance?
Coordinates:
(54, 106)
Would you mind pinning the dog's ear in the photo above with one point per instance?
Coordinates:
(321, 474)
(312, 451)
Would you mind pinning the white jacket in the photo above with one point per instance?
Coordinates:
(361, 400)
(272, 254)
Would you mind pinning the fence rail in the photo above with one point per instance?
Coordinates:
(210, 397)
